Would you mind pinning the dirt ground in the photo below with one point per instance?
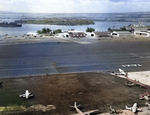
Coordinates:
(93, 90)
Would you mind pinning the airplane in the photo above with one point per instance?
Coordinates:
(146, 97)
(27, 94)
(114, 112)
(122, 71)
(82, 113)
(147, 94)
(135, 82)
(134, 108)
(148, 104)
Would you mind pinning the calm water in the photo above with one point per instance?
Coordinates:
(99, 26)
(131, 18)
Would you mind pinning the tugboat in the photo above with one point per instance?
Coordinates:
(10, 24)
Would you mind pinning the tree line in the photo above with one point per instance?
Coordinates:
(49, 31)
(58, 21)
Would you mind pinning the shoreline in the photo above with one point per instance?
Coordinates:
(21, 39)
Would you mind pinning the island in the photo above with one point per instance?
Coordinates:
(58, 21)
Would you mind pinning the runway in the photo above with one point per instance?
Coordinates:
(54, 57)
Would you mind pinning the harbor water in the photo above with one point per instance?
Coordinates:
(98, 26)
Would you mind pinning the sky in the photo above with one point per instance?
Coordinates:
(75, 6)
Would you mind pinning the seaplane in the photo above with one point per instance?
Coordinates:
(131, 83)
(27, 94)
(82, 113)
(134, 108)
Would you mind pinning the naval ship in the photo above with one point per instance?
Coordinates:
(139, 27)
(10, 24)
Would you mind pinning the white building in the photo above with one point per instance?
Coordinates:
(114, 34)
(32, 34)
(78, 34)
(66, 35)
(90, 34)
(142, 34)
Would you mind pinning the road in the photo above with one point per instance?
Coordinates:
(59, 56)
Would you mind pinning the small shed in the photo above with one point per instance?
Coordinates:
(90, 34)
(114, 34)
(102, 34)
(143, 34)
(32, 34)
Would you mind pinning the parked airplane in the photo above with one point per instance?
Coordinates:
(146, 97)
(122, 72)
(82, 113)
(148, 104)
(147, 94)
(131, 82)
(119, 72)
(27, 94)
(114, 112)
(134, 108)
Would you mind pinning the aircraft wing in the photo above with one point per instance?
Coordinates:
(92, 111)
(76, 114)
(87, 112)
(22, 95)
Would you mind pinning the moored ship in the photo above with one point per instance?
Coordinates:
(10, 24)
(139, 27)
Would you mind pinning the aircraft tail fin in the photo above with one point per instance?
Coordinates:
(126, 75)
(75, 105)
(122, 71)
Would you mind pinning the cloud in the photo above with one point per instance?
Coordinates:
(74, 6)
(130, 1)
(118, 0)
(52, 6)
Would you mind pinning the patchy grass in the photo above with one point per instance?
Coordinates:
(12, 108)
(9, 96)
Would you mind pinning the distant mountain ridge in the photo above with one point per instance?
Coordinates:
(122, 17)
(6, 12)
(1, 11)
